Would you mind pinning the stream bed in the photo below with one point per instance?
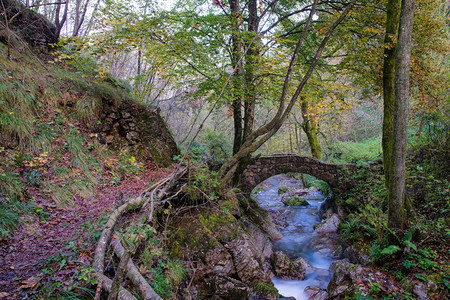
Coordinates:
(296, 223)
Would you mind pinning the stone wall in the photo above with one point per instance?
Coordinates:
(141, 127)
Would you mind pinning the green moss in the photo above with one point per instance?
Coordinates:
(222, 224)
(295, 200)
(283, 189)
(264, 289)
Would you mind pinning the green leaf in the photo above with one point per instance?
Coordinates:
(390, 250)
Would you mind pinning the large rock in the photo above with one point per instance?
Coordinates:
(231, 255)
(285, 268)
(294, 200)
(329, 225)
(421, 291)
(355, 256)
(315, 293)
(346, 278)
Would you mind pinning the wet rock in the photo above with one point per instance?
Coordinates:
(294, 200)
(304, 265)
(315, 293)
(285, 268)
(230, 288)
(279, 218)
(247, 267)
(283, 190)
(329, 225)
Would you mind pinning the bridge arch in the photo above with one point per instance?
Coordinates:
(263, 167)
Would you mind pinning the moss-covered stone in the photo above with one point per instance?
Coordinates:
(283, 190)
(295, 200)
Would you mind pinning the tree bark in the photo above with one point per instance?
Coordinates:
(119, 277)
(397, 215)
(236, 80)
(390, 44)
(311, 130)
(251, 61)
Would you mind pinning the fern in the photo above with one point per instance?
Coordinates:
(392, 249)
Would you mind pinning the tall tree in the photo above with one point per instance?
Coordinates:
(396, 179)
(391, 37)
(259, 136)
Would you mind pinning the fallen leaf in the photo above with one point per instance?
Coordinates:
(4, 295)
(143, 270)
(31, 282)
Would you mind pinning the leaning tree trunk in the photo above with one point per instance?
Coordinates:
(390, 44)
(258, 137)
(397, 214)
(311, 130)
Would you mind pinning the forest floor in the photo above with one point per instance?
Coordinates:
(54, 247)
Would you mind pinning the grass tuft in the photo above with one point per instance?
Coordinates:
(88, 108)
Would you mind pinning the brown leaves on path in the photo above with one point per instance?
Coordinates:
(47, 254)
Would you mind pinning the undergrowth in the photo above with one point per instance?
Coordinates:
(419, 254)
(354, 152)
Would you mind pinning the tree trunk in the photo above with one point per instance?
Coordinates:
(251, 61)
(390, 41)
(236, 80)
(258, 137)
(312, 131)
(396, 219)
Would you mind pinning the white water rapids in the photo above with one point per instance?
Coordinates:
(299, 237)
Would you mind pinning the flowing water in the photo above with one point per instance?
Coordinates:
(299, 237)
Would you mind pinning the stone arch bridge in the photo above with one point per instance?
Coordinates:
(338, 176)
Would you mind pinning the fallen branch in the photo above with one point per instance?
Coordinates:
(120, 275)
(152, 195)
(144, 288)
(107, 284)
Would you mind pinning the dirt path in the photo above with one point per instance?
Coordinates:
(47, 254)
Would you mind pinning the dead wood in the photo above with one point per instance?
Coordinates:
(152, 196)
(143, 287)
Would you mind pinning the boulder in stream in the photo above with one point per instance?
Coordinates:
(294, 200)
(285, 268)
(315, 293)
(329, 225)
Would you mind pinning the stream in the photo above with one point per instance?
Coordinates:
(296, 223)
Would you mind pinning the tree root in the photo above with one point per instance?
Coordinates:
(106, 283)
(143, 287)
(152, 196)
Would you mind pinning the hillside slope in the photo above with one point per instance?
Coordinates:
(70, 150)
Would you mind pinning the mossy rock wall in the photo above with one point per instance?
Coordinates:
(231, 252)
(142, 128)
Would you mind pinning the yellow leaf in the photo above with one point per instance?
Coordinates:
(31, 282)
